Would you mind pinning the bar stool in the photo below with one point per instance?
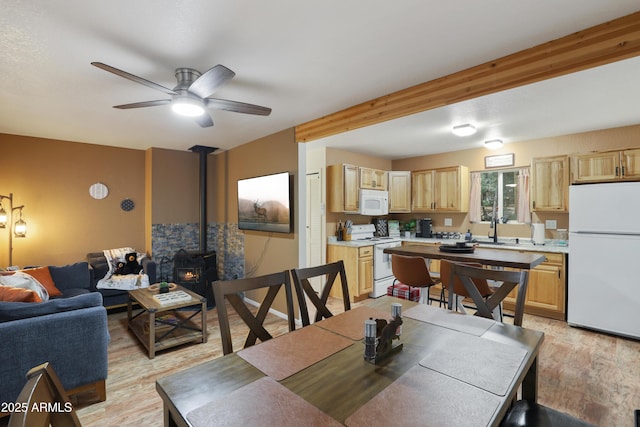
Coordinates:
(413, 272)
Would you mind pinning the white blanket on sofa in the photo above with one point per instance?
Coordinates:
(124, 282)
(25, 281)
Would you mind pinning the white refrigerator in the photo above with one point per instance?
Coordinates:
(604, 258)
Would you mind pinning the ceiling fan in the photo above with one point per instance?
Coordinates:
(191, 95)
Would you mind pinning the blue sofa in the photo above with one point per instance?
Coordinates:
(69, 331)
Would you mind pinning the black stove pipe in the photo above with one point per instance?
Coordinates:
(203, 152)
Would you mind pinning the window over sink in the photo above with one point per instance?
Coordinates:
(505, 191)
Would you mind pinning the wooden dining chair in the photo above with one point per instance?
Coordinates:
(44, 400)
(525, 413)
(458, 288)
(230, 291)
(304, 289)
(485, 307)
(414, 272)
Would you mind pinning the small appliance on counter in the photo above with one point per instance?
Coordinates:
(426, 228)
(382, 229)
(537, 234)
(393, 226)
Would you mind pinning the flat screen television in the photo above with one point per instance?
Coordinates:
(264, 203)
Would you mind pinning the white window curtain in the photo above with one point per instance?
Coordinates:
(475, 208)
(524, 214)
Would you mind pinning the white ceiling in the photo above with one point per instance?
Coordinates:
(304, 59)
(598, 98)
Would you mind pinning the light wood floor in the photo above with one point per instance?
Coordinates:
(593, 376)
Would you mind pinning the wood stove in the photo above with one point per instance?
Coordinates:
(196, 271)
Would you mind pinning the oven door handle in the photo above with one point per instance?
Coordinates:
(381, 248)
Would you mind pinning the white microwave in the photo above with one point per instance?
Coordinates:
(374, 202)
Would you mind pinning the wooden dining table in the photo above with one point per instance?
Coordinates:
(453, 369)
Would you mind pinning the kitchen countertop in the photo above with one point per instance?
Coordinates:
(508, 243)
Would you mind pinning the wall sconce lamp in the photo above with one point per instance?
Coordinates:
(16, 228)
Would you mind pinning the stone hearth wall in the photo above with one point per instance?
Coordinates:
(224, 238)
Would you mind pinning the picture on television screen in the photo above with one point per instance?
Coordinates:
(264, 203)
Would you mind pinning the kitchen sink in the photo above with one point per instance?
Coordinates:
(491, 243)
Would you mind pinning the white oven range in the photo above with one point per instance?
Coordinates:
(382, 273)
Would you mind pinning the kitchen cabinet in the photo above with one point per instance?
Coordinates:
(342, 188)
(358, 266)
(606, 166)
(440, 190)
(373, 179)
(399, 191)
(550, 184)
(546, 290)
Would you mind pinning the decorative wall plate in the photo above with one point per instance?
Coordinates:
(98, 191)
(127, 205)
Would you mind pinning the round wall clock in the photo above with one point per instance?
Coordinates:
(98, 191)
(127, 205)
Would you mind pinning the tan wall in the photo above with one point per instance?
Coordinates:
(174, 186)
(607, 139)
(265, 253)
(52, 178)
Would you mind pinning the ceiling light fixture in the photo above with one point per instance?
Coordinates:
(187, 106)
(493, 144)
(464, 130)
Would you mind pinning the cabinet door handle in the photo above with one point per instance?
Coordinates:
(617, 170)
(534, 204)
(622, 171)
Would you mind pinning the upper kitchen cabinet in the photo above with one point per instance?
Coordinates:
(619, 165)
(373, 179)
(342, 188)
(399, 191)
(550, 184)
(440, 190)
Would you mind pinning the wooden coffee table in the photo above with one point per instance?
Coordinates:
(160, 326)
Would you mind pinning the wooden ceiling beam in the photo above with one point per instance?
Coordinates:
(599, 45)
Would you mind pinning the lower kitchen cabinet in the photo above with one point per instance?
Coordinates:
(546, 291)
(358, 265)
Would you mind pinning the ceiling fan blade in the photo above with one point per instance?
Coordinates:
(204, 120)
(238, 107)
(143, 104)
(211, 81)
(133, 78)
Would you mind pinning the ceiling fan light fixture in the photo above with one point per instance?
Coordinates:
(493, 144)
(187, 106)
(464, 130)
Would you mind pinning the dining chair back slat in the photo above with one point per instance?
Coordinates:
(304, 289)
(485, 307)
(231, 290)
(43, 387)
